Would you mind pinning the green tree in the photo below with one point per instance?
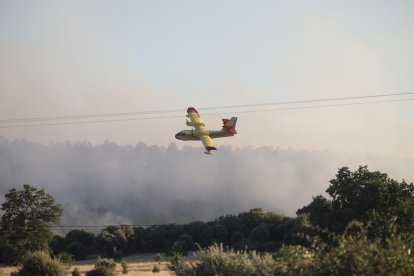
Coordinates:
(183, 244)
(366, 196)
(25, 224)
(200, 232)
(81, 236)
(77, 250)
(115, 241)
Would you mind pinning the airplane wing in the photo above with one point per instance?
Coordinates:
(208, 142)
(196, 121)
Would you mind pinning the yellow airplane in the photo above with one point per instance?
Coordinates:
(200, 132)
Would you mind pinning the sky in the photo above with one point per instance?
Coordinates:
(91, 57)
(63, 58)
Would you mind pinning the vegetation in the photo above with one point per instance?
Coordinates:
(39, 263)
(156, 268)
(124, 266)
(103, 267)
(158, 258)
(354, 254)
(76, 272)
(25, 223)
(65, 258)
(178, 263)
(116, 241)
(256, 229)
(77, 250)
(369, 197)
(323, 239)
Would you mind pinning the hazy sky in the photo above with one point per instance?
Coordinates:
(87, 57)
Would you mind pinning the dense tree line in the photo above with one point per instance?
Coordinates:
(369, 197)
(255, 229)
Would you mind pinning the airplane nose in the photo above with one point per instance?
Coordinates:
(177, 137)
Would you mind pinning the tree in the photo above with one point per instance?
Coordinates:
(200, 232)
(81, 236)
(115, 241)
(79, 243)
(370, 197)
(77, 250)
(25, 224)
(183, 244)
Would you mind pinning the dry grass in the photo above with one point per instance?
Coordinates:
(138, 264)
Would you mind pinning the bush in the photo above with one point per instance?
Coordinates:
(357, 255)
(103, 267)
(124, 267)
(39, 263)
(351, 253)
(158, 258)
(76, 272)
(179, 264)
(156, 268)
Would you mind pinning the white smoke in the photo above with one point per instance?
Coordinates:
(109, 183)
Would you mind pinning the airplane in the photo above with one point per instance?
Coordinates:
(200, 132)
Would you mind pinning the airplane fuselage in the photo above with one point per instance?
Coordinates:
(199, 132)
(194, 135)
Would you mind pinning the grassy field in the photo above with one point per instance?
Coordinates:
(138, 264)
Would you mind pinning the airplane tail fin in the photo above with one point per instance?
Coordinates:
(230, 125)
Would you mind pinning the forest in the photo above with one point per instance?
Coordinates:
(366, 215)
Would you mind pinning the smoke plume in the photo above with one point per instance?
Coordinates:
(141, 184)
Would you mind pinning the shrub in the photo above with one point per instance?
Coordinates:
(356, 254)
(39, 263)
(351, 253)
(103, 267)
(124, 267)
(158, 258)
(179, 264)
(156, 268)
(76, 272)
